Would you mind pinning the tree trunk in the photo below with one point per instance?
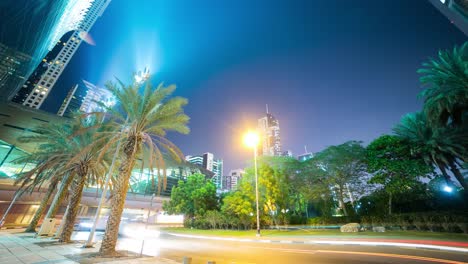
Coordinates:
(390, 204)
(456, 172)
(444, 172)
(37, 216)
(73, 204)
(59, 196)
(117, 205)
(343, 205)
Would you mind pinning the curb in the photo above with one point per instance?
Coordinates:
(328, 242)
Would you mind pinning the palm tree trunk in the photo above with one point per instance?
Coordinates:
(74, 202)
(37, 216)
(117, 205)
(444, 172)
(59, 196)
(456, 172)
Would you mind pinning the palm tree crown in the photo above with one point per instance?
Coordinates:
(446, 79)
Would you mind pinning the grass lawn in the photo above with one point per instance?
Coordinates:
(333, 233)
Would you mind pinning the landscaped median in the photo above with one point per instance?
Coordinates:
(418, 239)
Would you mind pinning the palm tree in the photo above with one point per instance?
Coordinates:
(446, 95)
(141, 121)
(85, 163)
(71, 153)
(442, 147)
(49, 169)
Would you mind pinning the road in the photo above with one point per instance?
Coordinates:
(224, 252)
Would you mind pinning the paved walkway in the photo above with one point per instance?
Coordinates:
(17, 247)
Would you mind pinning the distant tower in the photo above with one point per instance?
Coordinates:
(83, 97)
(208, 162)
(269, 130)
(38, 86)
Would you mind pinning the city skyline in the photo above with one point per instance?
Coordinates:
(314, 80)
(192, 130)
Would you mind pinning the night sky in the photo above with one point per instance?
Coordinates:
(330, 71)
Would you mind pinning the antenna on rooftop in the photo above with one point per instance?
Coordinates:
(267, 108)
(305, 148)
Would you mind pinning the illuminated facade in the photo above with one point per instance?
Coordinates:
(83, 97)
(207, 162)
(231, 181)
(13, 69)
(270, 143)
(78, 17)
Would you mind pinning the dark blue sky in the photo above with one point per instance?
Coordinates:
(330, 71)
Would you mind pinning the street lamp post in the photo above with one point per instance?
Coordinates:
(256, 190)
(251, 139)
(89, 242)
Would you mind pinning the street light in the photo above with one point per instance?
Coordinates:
(251, 140)
(448, 189)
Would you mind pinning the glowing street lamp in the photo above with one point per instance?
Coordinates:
(448, 189)
(251, 140)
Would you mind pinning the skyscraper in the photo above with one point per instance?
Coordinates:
(232, 180)
(268, 127)
(208, 162)
(42, 81)
(83, 97)
(73, 101)
(455, 10)
(13, 70)
(218, 171)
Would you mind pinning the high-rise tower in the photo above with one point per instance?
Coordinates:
(83, 97)
(455, 10)
(208, 162)
(269, 130)
(35, 90)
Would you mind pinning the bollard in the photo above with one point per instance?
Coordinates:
(187, 260)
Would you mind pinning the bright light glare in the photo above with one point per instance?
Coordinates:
(251, 139)
(86, 225)
(448, 189)
(138, 231)
(142, 76)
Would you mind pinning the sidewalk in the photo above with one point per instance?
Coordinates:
(16, 247)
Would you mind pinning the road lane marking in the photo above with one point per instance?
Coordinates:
(393, 256)
(306, 251)
(332, 242)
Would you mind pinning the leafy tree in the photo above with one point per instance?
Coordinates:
(446, 79)
(240, 202)
(392, 165)
(344, 166)
(312, 184)
(214, 217)
(194, 197)
(141, 121)
(442, 147)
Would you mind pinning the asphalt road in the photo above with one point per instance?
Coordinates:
(202, 251)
